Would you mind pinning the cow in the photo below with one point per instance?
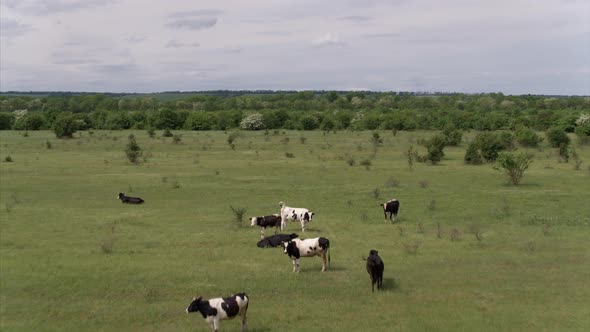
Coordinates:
(290, 213)
(390, 207)
(375, 268)
(217, 309)
(297, 248)
(129, 199)
(276, 240)
(266, 221)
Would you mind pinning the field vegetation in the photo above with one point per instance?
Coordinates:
(469, 250)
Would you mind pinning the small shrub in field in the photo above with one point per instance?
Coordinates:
(400, 230)
(177, 139)
(502, 210)
(167, 133)
(289, 155)
(231, 138)
(431, 205)
(424, 184)
(285, 140)
(238, 213)
(411, 154)
(366, 162)
(576, 159)
(376, 193)
(8, 159)
(438, 231)
(364, 216)
(302, 140)
(48, 144)
(175, 184)
(392, 182)
(376, 140)
(556, 137)
(133, 151)
(65, 126)
(530, 247)
(472, 155)
(476, 231)
(455, 235)
(527, 137)
(546, 228)
(26, 134)
(350, 161)
(420, 228)
(151, 132)
(411, 248)
(514, 165)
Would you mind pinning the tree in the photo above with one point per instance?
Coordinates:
(133, 151)
(65, 125)
(557, 137)
(513, 165)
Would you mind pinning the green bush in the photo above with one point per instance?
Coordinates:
(133, 150)
(65, 125)
(557, 137)
(254, 121)
(513, 165)
(527, 137)
(490, 144)
(6, 120)
(30, 121)
(309, 122)
(473, 155)
(452, 135)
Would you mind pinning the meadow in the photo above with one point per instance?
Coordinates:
(468, 252)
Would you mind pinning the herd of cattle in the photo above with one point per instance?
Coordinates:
(216, 309)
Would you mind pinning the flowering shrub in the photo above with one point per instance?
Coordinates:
(254, 121)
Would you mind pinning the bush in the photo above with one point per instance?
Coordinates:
(514, 165)
(133, 151)
(254, 121)
(452, 135)
(309, 122)
(167, 133)
(434, 146)
(472, 155)
(527, 137)
(64, 125)
(30, 121)
(489, 144)
(6, 120)
(557, 137)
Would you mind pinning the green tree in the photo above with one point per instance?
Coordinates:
(133, 150)
(513, 165)
(65, 125)
(557, 137)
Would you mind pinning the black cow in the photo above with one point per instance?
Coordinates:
(217, 309)
(390, 207)
(276, 240)
(375, 268)
(129, 199)
(266, 221)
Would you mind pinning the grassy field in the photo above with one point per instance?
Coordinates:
(73, 258)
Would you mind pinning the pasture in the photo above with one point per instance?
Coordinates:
(73, 258)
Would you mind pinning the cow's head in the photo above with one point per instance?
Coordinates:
(293, 235)
(120, 195)
(308, 216)
(281, 204)
(253, 220)
(194, 305)
(373, 252)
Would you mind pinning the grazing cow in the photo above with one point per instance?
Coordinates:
(217, 309)
(390, 207)
(375, 268)
(266, 221)
(297, 248)
(290, 213)
(276, 240)
(129, 199)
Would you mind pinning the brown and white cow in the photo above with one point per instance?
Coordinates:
(391, 207)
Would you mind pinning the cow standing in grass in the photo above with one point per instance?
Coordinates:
(290, 213)
(375, 268)
(266, 221)
(298, 248)
(217, 309)
(391, 207)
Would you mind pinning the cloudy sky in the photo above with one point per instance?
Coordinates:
(509, 46)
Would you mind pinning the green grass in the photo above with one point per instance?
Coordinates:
(73, 258)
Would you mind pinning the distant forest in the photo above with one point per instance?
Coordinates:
(303, 110)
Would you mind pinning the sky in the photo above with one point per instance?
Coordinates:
(468, 46)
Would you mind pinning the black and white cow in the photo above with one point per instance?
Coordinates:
(266, 221)
(290, 213)
(375, 268)
(390, 207)
(129, 199)
(276, 240)
(297, 248)
(217, 309)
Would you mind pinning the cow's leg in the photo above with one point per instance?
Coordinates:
(262, 232)
(212, 325)
(294, 266)
(283, 224)
(244, 326)
(302, 226)
(324, 261)
(216, 324)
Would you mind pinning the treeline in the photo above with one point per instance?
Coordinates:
(306, 110)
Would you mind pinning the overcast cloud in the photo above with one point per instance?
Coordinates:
(509, 46)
